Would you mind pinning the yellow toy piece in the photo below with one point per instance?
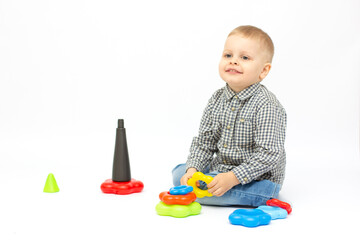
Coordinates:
(199, 176)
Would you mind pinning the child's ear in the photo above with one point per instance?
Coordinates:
(265, 71)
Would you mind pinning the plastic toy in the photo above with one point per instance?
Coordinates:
(51, 185)
(121, 182)
(122, 188)
(179, 205)
(181, 190)
(199, 176)
(249, 217)
(277, 203)
(178, 211)
(170, 199)
(275, 212)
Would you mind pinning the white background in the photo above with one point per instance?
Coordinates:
(69, 69)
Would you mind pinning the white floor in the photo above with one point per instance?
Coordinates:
(69, 69)
(325, 204)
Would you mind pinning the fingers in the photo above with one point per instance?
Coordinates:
(212, 183)
(184, 179)
(217, 191)
(215, 188)
(197, 184)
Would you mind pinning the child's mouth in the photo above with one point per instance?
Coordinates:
(233, 71)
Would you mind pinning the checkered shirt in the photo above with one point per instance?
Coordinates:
(245, 131)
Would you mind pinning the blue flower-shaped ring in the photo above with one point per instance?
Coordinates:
(180, 190)
(249, 217)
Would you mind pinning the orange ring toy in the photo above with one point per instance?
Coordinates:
(169, 199)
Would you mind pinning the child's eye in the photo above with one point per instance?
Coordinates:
(245, 58)
(227, 55)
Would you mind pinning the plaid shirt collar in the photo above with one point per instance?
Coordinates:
(244, 94)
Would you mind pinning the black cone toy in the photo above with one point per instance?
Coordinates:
(121, 182)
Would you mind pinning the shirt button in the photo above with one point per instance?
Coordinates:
(228, 127)
(245, 179)
(232, 109)
(225, 145)
(242, 120)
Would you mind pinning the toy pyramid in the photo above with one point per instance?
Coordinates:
(121, 182)
(179, 202)
(51, 185)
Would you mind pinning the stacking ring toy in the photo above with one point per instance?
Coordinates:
(178, 211)
(277, 203)
(249, 217)
(169, 199)
(199, 176)
(275, 212)
(180, 190)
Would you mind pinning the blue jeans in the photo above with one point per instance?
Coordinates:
(255, 193)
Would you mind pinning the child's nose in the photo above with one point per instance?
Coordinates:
(234, 61)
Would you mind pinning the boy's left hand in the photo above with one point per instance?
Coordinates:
(222, 183)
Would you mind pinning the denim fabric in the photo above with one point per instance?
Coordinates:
(255, 193)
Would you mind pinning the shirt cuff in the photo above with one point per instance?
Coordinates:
(194, 165)
(242, 175)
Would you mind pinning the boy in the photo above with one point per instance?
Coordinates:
(243, 125)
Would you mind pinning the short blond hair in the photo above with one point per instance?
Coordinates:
(257, 34)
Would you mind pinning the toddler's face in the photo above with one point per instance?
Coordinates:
(243, 62)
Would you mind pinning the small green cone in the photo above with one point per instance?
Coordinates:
(51, 185)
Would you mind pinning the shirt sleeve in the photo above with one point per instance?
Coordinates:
(203, 146)
(269, 140)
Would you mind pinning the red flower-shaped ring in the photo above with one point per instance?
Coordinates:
(122, 188)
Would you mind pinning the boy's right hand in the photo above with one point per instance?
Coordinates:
(184, 179)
